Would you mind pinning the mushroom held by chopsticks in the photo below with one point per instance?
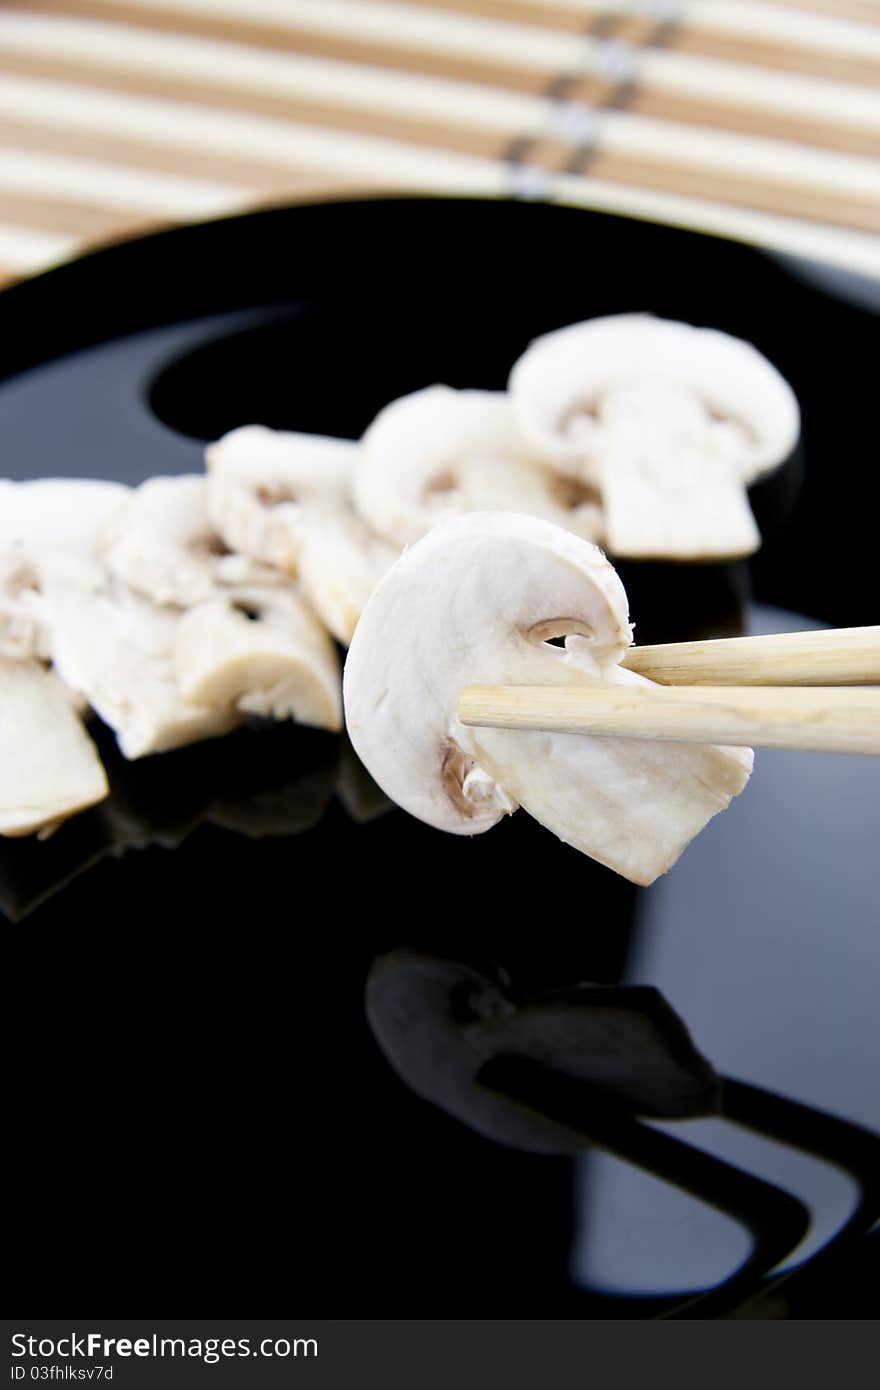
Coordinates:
(262, 482)
(479, 600)
(439, 452)
(672, 423)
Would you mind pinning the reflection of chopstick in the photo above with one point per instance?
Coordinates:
(727, 692)
(776, 1220)
(773, 1216)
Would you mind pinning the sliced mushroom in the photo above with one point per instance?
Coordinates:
(340, 563)
(438, 453)
(34, 869)
(47, 527)
(161, 543)
(671, 422)
(57, 514)
(259, 651)
(118, 650)
(24, 629)
(261, 483)
(49, 767)
(439, 1021)
(478, 601)
(109, 646)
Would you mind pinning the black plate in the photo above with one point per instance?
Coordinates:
(204, 1122)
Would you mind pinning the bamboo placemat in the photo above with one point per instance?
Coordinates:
(755, 119)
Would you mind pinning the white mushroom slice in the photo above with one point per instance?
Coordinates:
(110, 647)
(162, 544)
(57, 513)
(439, 453)
(117, 649)
(46, 526)
(477, 601)
(49, 767)
(24, 627)
(261, 482)
(340, 564)
(671, 422)
(260, 651)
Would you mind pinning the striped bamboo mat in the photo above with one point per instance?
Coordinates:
(755, 119)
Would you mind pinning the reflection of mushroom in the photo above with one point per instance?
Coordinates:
(297, 805)
(438, 1022)
(259, 651)
(439, 452)
(161, 543)
(362, 799)
(33, 871)
(49, 767)
(265, 779)
(671, 422)
(340, 564)
(477, 601)
(261, 483)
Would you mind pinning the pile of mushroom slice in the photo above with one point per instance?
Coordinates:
(478, 601)
(128, 603)
(177, 609)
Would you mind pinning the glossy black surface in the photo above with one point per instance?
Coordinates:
(203, 1119)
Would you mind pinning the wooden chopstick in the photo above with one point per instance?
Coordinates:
(832, 656)
(751, 691)
(822, 720)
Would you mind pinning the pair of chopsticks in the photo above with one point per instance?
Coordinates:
(794, 690)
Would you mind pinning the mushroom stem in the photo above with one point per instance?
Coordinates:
(652, 512)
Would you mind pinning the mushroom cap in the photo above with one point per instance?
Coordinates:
(569, 383)
(47, 513)
(49, 526)
(477, 601)
(161, 543)
(261, 483)
(470, 597)
(259, 651)
(440, 452)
